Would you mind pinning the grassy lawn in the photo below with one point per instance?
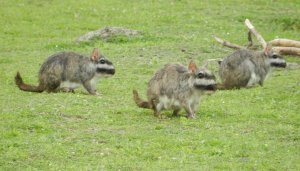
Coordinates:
(247, 129)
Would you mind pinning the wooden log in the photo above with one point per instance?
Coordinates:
(251, 28)
(228, 44)
(250, 42)
(282, 46)
(285, 43)
(287, 50)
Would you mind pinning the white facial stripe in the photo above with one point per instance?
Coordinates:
(205, 82)
(105, 66)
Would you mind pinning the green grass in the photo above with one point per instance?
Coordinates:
(247, 129)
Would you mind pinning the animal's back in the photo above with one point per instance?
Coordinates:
(64, 66)
(237, 68)
(235, 59)
(167, 81)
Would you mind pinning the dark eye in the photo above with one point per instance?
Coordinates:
(102, 61)
(274, 56)
(200, 75)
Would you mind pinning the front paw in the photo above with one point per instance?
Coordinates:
(96, 93)
(191, 116)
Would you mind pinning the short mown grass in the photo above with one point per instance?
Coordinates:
(246, 129)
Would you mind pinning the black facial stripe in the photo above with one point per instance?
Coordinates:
(207, 87)
(208, 77)
(281, 65)
(105, 71)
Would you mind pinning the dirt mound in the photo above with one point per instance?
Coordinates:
(107, 33)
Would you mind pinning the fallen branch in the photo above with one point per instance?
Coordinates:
(285, 43)
(250, 42)
(281, 46)
(228, 44)
(256, 34)
(287, 50)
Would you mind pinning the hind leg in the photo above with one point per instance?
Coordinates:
(176, 112)
(157, 107)
(228, 85)
(53, 87)
(51, 82)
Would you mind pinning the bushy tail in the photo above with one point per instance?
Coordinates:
(27, 87)
(140, 102)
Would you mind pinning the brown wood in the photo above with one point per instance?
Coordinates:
(228, 44)
(282, 46)
(285, 43)
(250, 42)
(287, 50)
(251, 28)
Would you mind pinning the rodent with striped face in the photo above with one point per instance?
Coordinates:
(246, 68)
(67, 71)
(175, 87)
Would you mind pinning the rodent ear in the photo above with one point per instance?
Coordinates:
(95, 54)
(192, 67)
(268, 49)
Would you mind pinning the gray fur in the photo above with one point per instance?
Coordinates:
(66, 71)
(176, 87)
(246, 68)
